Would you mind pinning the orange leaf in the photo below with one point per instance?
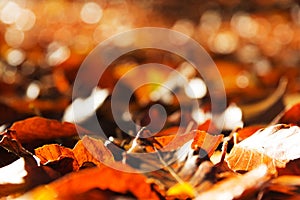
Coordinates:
(206, 141)
(201, 139)
(54, 154)
(235, 186)
(104, 178)
(86, 150)
(92, 150)
(273, 146)
(291, 116)
(248, 131)
(38, 128)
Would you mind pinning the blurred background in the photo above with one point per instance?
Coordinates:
(253, 43)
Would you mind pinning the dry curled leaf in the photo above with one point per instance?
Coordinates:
(92, 150)
(291, 116)
(86, 150)
(38, 128)
(274, 146)
(201, 139)
(282, 187)
(57, 157)
(235, 186)
(24, 173)
(102, 177)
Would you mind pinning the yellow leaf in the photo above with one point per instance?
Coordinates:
(182, 189)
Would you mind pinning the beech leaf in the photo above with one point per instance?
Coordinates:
(102, 177)
(274, 146)
(38, 128)
(86, 150)
(235, 186)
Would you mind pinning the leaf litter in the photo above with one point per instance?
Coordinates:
(263, 163)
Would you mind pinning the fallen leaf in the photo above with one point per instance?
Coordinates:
(52, 152)
(57, 157)
(102, 177)
(235, 186)
(282, 187)
(291, 168)
(38, 128)
(274, 146)
(92, 150)
(28, 106)
(24, 173)
(10, 142)
(201, 139)
(245, 132)
(181, 189)
(206, 141)
(86, 150)
(291, 116)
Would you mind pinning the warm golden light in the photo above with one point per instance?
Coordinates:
(57, 54)
(33, 90)
(14, 37)
(196, 88)
(15, 57)
(10, 12)
(25, 20)
(184, 26)
(244, 25)
(91, 13)
(223, 42)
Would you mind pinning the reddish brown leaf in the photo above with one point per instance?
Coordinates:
(10, 142)
(103, 177)
(291, 116)
(38, 128)
(235, 186)
(22, 174)
(274, 146)
(201, 139)
(169, 131)
(28, 106)
(282, 187)
(206, 141)
(208, 126)
(92, 150)
(52, 152)
(58, 157)
(86, 150)
(248, 131)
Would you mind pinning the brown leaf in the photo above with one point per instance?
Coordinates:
(86, 150)
(206, 141)
(201, 139)
(38, 128)
(236, 186)
(291, 168)
(282, 187)
(274, 146)
(52, 152)
(28, 106)
(248, 131)
(103, 177)
(291, 116)
(25, 170)
(10, 142)
(57, 157)
(92, 150)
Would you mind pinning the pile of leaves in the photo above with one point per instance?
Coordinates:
(250, 163)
